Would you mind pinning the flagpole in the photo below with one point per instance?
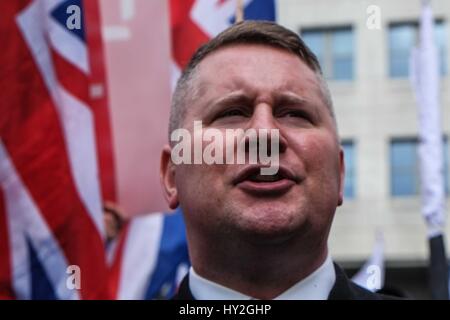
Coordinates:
(239, 11)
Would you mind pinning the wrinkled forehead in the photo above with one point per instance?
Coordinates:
(251, 67)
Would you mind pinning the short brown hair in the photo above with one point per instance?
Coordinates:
(248, 32)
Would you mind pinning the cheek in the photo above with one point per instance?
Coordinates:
(200, 182)
(320, 155)
(200, 188)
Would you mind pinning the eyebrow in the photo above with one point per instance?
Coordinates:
(233, 97)
(290, 98)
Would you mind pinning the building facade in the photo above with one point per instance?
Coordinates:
(367, 68)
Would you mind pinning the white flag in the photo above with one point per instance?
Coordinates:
(372, 273)
(425, 80)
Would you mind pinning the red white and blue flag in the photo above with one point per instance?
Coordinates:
(56, 154)
(194, 22)
(54, 135)
(150, 258)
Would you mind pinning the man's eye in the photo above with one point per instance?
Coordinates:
(295, 114)
(232, 113)
(295, 117)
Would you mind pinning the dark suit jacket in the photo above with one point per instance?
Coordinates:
(343, 289)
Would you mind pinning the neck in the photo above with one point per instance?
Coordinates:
(262, 271)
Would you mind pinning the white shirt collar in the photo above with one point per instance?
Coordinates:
(316, 286)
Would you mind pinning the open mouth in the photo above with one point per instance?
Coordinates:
(257, 177)
(250, 180)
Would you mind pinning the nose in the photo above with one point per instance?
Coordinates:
(263, 119)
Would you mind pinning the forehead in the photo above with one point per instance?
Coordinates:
(255, 67)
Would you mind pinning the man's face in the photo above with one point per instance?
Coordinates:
(259, 87)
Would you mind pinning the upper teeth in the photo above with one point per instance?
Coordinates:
(265, 178)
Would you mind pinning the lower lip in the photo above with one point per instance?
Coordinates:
(266, 188)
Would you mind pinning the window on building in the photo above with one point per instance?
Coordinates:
(334, 49)
(349, 158)
(405, 175)
(403, 37)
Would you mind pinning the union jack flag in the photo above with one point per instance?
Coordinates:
(56, 154)
(194, 22)
(150, 258)
(54, 135)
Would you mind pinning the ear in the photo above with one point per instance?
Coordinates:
(167, 176)
(341, 176)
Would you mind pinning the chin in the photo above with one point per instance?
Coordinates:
(276, 224)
